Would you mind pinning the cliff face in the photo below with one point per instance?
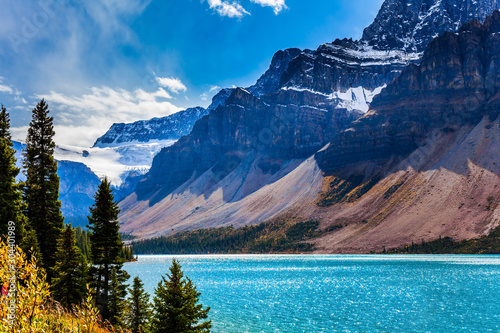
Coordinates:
(456, 84)
(287, 125)
(396, 38)
(270, 81)
(247, 160)
(411, 24)
(422, 164)
(345, 64)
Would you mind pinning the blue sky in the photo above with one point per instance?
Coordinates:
(103, 61)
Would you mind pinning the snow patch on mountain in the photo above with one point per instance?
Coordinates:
(352, 99)
(356, 98)
(115, 163)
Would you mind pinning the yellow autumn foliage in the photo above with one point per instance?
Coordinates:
(25, 303)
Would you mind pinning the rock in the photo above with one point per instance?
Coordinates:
(457, 83)
(410, 25)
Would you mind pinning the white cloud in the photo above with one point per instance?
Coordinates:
(4, 88)
(214, 89)
(80, 120)
(172, 84)
(276, 5)
(109, 14)
(229, 9)
(210, 92)
(19, 133)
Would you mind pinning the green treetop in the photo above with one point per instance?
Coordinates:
(138, 308)
(106, 246)
(176, 308)
(11, 198)
(70, 271)
(42, 185)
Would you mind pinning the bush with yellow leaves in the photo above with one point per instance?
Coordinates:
(25, 303)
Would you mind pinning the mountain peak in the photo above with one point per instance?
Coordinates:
(411, 24)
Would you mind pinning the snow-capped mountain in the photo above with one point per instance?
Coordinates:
(242, 148)
(169, 128)
(410, 25)
(160, 131)
(396, 38)
(126, 151)
(77, 186)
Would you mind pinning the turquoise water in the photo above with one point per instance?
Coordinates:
(306, 293)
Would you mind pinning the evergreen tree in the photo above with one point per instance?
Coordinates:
(106, 245)
(117, 294)
(175, 305)
(127, 254)
(42, 185)
(11, 203)
(70, 271)
(138, 308)
(83, 242)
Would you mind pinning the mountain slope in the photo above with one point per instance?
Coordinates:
(425, 157)
(253, 146)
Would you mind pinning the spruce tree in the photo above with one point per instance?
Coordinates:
(138, 308)
(83, 242)
(175, 305)
(70, 272)
(11, 198)
(42, 185)
(117, 294)
(106, 246)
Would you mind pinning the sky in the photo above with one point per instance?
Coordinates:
(98, 62)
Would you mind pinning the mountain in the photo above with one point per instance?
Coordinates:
(249, 160)
(77, 186)
(410, 25)
(423, 162)
(157, 129)
(166, 129)
(397, 37)
(270, 80)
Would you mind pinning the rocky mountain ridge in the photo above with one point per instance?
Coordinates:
(247, 157)
(156, 129)
(456, 84)
(396, 38)
(411, 24)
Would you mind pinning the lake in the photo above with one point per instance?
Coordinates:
(339, 293)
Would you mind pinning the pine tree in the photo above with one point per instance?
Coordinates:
(11, 197)
(117, 294)
(42, 185)
(106, 245)
(175, 305)
(83, 242)
(70, 272)
(10, 190)
(138, 308)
